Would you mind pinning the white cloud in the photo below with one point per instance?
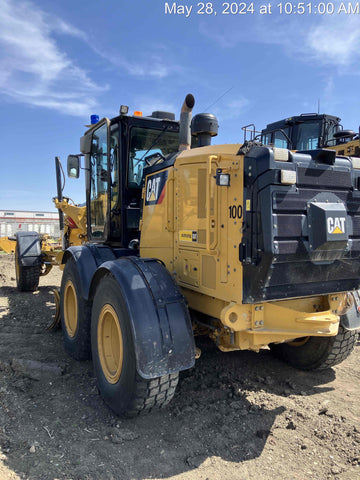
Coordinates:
(34, 70)
(149, 65)
(327, 40)
(155, 68)
(335, 41)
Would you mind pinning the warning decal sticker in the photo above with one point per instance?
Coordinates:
(188, 236)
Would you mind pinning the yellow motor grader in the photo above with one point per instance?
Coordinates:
(252, 245)
(7, 245)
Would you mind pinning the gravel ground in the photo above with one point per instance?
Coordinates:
(237, 415)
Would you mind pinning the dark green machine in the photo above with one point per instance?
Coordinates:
(308, 131)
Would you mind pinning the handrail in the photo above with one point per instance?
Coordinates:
(169, 210)
(211, 248)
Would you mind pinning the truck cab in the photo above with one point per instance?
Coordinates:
(116, 152)
(307, 131)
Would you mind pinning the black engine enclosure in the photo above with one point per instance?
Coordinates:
(299, 239)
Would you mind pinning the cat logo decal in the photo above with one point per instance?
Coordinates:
(336, 225)
(155, 188)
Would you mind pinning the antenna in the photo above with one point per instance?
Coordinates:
(318, 106)
(221, 96)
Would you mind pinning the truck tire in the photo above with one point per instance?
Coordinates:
(113, 353)
(27, 278)
(317, 353)
(75, 314)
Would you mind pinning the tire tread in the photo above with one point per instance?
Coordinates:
(319, 353)
(340, 348)
(28, 280)
(79, 346)
(151, 394)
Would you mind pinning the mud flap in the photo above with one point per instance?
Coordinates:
(159, 316)
(29, 249)
(351, 319)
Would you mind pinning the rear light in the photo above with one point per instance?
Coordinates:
(288, 177)
(281, 154)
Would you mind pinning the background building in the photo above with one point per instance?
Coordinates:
(12, 221)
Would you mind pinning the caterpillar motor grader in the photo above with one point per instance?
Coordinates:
(252, 246)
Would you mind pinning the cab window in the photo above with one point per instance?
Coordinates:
(98, 182)
(143, 143)
(308, 136)
(280, 139)
(266, 139)
(331, 129)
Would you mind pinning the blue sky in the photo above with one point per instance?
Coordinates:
(62, 61)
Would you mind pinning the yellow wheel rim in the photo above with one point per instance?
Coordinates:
(110, 344)
(299, 342)
(70, 309)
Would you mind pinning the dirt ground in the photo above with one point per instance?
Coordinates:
(238, 415)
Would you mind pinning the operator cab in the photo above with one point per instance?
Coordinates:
(308, 131)
(116, 152)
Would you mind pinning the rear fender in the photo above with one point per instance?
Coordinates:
(158, 313)
(86, 266)
(88, 258)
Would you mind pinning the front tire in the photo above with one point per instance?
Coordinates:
(75, 314)
(113, 352)
(27, 278)
(317, 353)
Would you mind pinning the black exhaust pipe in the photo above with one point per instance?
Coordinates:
(59, 191)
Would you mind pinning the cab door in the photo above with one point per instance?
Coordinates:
(99, 184)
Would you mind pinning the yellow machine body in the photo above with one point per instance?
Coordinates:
(252, 246)
(7, 245)
(78, 215)
(194, 226)
(73, 235)
(51, 251)
(349, 149)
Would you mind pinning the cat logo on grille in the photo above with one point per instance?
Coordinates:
(336, 225)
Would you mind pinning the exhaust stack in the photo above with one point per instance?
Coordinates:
(185, 121)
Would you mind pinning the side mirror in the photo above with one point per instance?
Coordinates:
(85, 144)
(73, 166)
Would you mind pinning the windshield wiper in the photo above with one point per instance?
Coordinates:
(157, 157)
(154, 143)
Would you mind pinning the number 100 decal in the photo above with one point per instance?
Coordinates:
(235, 211)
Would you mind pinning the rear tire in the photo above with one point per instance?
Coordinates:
(75, 314)
(317, 353)
(113, 352)
(27, 278)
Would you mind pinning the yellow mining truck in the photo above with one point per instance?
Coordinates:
(253, 247)
(36, 254)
